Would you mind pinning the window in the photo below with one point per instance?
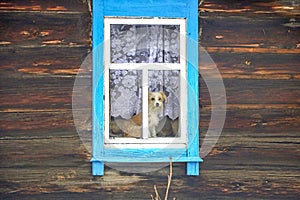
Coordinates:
(145, 81)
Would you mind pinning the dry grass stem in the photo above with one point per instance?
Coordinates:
(169, 180)
(157, 196)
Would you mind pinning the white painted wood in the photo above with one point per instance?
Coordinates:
(144, 145)
(149, 66)
(145, 130)
(106, 46)
(150, 21)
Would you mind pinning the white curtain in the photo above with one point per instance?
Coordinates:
(144, 43)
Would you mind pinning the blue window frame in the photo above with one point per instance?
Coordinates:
(184, 148)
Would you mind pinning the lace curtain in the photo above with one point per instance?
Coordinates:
(143, 44)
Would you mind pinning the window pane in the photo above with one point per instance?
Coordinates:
(145, 43)
(125, 102)
(165, 83)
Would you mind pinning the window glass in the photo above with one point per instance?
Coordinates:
(125, 102)
(145, 43)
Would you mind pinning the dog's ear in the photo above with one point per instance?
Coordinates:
(164, 97)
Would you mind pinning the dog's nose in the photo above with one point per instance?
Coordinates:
(157, 104)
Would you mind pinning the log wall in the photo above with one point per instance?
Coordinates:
(254, 44)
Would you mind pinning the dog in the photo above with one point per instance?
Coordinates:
(133, 127)
(156, 102)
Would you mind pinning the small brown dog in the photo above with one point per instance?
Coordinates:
(133, 127)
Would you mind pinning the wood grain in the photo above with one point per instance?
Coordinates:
(254, 44)
(253, 65)
(44, 28)
(262, 32)
(40, 5)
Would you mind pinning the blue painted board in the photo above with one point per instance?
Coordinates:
(146, 8)
(192, 79)
(98, 89)
(146, 155)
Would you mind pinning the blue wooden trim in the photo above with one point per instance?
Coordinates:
(193, 93)
(147, 155)
(98, 92)
(120, 159)
(146, 8)
(97, 168)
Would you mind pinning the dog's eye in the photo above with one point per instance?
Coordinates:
(159, 99)
(152, 99)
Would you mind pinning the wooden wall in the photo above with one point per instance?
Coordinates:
(255, 45)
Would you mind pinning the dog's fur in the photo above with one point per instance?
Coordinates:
(132, 128)
(156, 102)
(155, 106)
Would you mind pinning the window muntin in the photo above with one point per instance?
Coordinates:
(143, 56)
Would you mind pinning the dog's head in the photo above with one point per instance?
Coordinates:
(156, 100)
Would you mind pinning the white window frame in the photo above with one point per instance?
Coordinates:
(156, 142)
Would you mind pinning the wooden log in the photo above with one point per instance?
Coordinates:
(253, 32)
(44, 28)
(256, 91)
(28, 63)
(261, 8)
(254, 65)
(256, 120)
(40, 5)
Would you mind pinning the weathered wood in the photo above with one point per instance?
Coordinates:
(36, 120)
(44, 28)
(57, 172)
(256, 32)
(253, 9)
(257, 91)
(41, 5)
(48, 61)
(257, 119)
(255, 65)
(255, 45)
